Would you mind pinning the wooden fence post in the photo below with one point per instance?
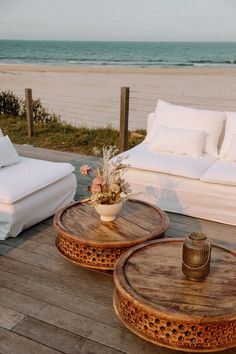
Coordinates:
(29, 111)
(124, 118)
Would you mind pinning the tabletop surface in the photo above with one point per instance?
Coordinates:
(152, 274)
(136, 222)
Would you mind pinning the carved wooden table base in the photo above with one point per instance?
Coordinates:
(155, 301)
(88, 256)
(87, 241)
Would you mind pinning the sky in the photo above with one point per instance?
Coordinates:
(119, 20)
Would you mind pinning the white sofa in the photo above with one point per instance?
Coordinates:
(31, 190)
(187, 163)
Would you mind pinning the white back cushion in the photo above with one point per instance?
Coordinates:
(151, 118)
(230, 129)
(8, 154)
(1, 133)
(230, 154)
(179, 141)
(211, 122)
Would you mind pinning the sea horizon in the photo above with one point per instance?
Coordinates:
(112, 41)
(118, 53)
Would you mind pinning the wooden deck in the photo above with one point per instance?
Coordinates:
(48, 305)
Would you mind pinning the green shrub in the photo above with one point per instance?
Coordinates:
(40, 114)
(10, 105)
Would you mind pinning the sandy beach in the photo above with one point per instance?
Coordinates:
(89, 96)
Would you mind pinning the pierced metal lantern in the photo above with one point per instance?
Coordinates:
(196, 256)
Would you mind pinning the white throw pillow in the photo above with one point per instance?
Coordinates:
(179, 141)
(8, 154)
(1, 133)
(230, 129)
(175, 116)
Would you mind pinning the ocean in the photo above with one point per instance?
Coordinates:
(136, 54)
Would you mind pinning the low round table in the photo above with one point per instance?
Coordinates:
(154, 299)
(86, 240)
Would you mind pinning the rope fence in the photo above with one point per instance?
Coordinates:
(128, 111)
(144, 102)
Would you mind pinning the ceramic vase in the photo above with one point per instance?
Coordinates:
(108, 212)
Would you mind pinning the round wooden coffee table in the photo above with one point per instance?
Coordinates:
(86, 240)
(154, 299)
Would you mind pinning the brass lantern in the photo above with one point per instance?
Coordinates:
(196, 256)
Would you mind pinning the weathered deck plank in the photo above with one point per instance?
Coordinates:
(9, 318)
(70, 283)
(46, 154)
(49, 305)
(60, 339)
(13, 343)
(59, 297)
(224, 235)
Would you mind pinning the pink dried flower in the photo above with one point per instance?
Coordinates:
(84, 170)
(99, 180)
(96, 188)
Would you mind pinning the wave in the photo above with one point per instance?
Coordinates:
(117, 62)
(226, 61)
(150, 62)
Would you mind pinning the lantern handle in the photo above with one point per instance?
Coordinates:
(198, 268)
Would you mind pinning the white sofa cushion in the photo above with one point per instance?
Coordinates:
(175, 116)
(1, 133)
(28, 176)
(8, 154)
(141, 157)
(230, 129)
(221, 172)
(179, 141)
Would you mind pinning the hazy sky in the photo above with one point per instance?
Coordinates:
(153, 20)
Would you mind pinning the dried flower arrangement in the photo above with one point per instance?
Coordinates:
(108, 183)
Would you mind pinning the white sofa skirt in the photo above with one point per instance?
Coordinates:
(211, 201)
(36, 207)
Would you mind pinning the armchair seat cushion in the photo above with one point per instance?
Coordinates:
(33, 190)
(28, 176)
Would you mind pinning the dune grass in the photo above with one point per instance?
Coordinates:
(60, 136)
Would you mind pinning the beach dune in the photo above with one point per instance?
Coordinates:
(90, 96)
